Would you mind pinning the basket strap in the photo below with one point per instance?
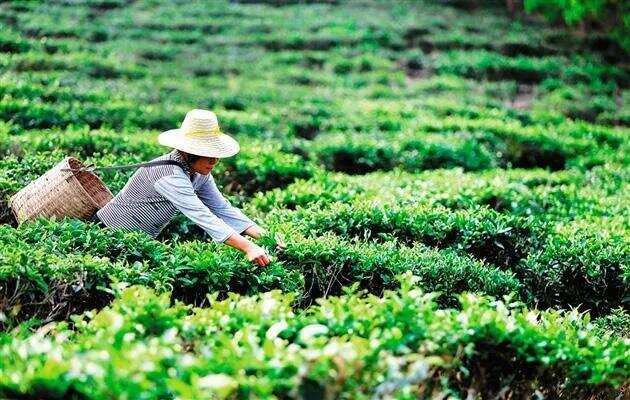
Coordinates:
(92, 167)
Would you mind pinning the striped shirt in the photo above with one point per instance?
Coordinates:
(153, 195)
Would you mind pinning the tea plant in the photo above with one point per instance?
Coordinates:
(143, 345)
(483, 150)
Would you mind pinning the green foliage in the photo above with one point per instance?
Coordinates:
(42, 260)
(476, 151)
(262, 167)
(611, 14)
(616, 323)
(140, 345)
(329, 263)
(582, 266)
(499, 239)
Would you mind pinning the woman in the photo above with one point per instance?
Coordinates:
(154, 194)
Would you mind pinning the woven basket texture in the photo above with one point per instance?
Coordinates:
(58, 194)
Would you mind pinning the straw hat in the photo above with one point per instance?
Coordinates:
(200, 134)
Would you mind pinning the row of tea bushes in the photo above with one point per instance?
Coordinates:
(360, 153)
(85, 63)
(598, 103)
(50, 269)
(329, 262)
(118, 114)
(494, 66)
(36, 102)
(398, 345)
(470, 150)
(557, 266)
(431, 107)
(557, 195)
(452, 188)
(611, 137)
(496, 238)
(581, 263)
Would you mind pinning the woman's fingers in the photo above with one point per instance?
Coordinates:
(262, 260)
(266, 260)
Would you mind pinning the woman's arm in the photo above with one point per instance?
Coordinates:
(253, 252)
(210, 195)
(179, 191)
(215, 201)
(254, 231)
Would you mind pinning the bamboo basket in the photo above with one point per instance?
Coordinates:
(60, 193)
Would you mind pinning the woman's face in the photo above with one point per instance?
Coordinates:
(204, 165)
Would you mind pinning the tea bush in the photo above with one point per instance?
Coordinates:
(585, 265)
(488, 147)
(342, 345)
(40, 266)
(261, 168)
(44, 276)
(518, 192)
(545, 195)
(363, 154)
(329, 262)
(499, 239)
(448, 139)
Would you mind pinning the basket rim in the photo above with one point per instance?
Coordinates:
(74, 175)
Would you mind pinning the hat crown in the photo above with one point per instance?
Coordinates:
(200, 123)
(200, 134)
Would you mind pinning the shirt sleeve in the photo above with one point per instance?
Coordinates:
(178, 189)
(214, 200)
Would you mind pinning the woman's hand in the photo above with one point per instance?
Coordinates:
(258, 255)
(256, 232)
(253, 252)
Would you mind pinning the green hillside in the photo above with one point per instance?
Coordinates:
(451, 181)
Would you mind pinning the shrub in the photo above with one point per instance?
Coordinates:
(359, 154)
(484, 64)
(608, 14)
(53, 268)
(498, 239)
(440, 152)
(329, 263)
(343, 67)
(541, 194)
(12, 43)
(395, 345)
(356, 156)
(580, 265)
(261, 168)
(616, 323)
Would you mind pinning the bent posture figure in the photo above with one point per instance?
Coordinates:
(153, 195)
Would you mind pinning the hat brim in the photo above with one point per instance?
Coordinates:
(218, 146)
